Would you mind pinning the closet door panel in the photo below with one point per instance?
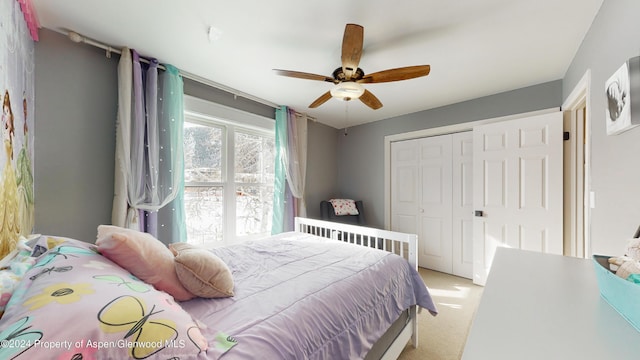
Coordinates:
(432, 196)
(405, 192)
(462, 207)
(435, 204)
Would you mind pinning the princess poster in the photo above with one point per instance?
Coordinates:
(17, 99)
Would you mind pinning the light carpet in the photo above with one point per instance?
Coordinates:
(443, 337)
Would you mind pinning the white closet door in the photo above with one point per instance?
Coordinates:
(404, 186)
(421, 197)
(462, 206)
(517, 188)
(435, 248)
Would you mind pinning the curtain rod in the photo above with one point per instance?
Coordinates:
(77, 38)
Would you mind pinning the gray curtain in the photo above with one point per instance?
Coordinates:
(149, 143)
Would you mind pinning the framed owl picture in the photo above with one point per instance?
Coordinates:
(622, 92)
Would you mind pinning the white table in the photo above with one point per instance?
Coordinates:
(538, 306)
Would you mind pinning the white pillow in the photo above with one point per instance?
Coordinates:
(344, 207)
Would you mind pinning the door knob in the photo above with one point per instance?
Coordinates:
(479, 213)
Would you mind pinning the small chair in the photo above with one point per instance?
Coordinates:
(328, 213)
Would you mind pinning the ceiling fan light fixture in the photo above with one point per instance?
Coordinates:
(347, 90)
(349, 76)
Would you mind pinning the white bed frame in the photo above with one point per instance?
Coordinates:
(405, 245)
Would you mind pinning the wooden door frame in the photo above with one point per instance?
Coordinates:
(580, 94)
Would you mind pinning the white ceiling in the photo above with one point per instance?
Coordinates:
(475, 48)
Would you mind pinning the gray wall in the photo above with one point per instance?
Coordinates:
(75, 112)
(74, 137)
(361, 152)
(218, 96)
(76, 107)
(615, 160)
(322, 160)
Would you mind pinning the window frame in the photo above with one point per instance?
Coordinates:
(230, 120)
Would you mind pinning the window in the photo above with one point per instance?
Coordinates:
(254, 174)
(229, 173)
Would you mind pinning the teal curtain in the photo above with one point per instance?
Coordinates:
(172, 110)
(280, 181)
(290, 169)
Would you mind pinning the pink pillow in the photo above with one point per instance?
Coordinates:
(115, 316)
(144, 256)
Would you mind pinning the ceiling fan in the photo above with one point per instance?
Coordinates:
(349, 77)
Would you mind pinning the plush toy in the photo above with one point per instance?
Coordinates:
(627, 268)
(633, 249)
(629, 264)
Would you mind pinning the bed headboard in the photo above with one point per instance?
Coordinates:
(403, 244)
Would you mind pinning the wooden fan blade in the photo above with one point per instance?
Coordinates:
(351, 49)
(370, 100)
(304, 75)
(321, 100)
(403, 73)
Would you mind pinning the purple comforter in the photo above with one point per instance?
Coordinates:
(298, 296)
